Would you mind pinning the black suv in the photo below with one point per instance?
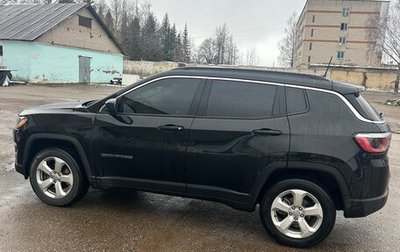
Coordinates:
(300, 146)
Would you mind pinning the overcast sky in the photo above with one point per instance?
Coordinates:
(255, 24)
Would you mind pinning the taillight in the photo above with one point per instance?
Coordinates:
(374, 142)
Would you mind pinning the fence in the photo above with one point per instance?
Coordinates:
(370, 77)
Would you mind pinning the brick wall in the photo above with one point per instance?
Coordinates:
(147, 68)
(70, 33)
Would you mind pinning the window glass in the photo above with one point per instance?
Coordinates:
(363, 107)
(240, 100)
(345, 12)
(296, 101)
(168, 96)
(84, 21)
(343, 26)
(1, 50)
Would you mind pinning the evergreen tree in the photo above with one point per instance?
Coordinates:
(124, 32)
(186, 45)
(108, 19)
(178, 52)
(134, 46)
(151, 40)
(170, 44)
(100, 8)
(165, 33)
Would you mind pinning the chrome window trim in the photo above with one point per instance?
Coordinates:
(349, 105)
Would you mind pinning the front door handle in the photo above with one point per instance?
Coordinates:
(171, 127)
(267, 132)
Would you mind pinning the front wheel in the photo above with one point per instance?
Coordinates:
(56, 177)
(297, 213)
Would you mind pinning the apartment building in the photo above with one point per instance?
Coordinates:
(338, 29)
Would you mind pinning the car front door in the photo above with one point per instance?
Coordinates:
(144, 144)
(241, 132)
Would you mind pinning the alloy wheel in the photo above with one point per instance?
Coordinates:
(296, 213)
(54, 177)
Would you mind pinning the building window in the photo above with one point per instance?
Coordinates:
(343, 26)
(313, 18)
(1, 50)
(345, 12)
(310, 46)
(309, 59)
(312, 32)
(340, 55)
(342, 40)
(84, 21)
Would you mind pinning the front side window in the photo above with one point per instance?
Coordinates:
(166, 97)
(234, 99)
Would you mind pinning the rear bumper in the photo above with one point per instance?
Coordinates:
(363, 207)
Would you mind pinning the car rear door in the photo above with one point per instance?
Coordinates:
(241, 131)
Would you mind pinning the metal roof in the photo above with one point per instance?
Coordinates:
(27, 22)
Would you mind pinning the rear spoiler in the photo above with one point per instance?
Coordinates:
(346, 88)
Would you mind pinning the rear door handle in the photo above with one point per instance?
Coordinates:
(171, 127)
(267, 132)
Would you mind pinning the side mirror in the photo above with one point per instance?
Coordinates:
(111, 106)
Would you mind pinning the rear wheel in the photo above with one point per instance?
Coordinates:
(56, 178)
(297, 213)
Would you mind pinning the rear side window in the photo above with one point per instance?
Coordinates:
(363, 107)
(296, 100)
(240, 100)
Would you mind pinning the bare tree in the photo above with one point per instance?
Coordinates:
(287, 46)
(387, 37)
(221, 39)
(207, 52)
(220, 49)
(232, 52)
(252, 58)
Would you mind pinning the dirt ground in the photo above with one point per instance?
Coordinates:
(126, 220)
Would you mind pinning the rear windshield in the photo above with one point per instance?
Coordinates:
(363, 107)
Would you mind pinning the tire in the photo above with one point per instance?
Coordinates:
(56, 178)
(289, 205)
